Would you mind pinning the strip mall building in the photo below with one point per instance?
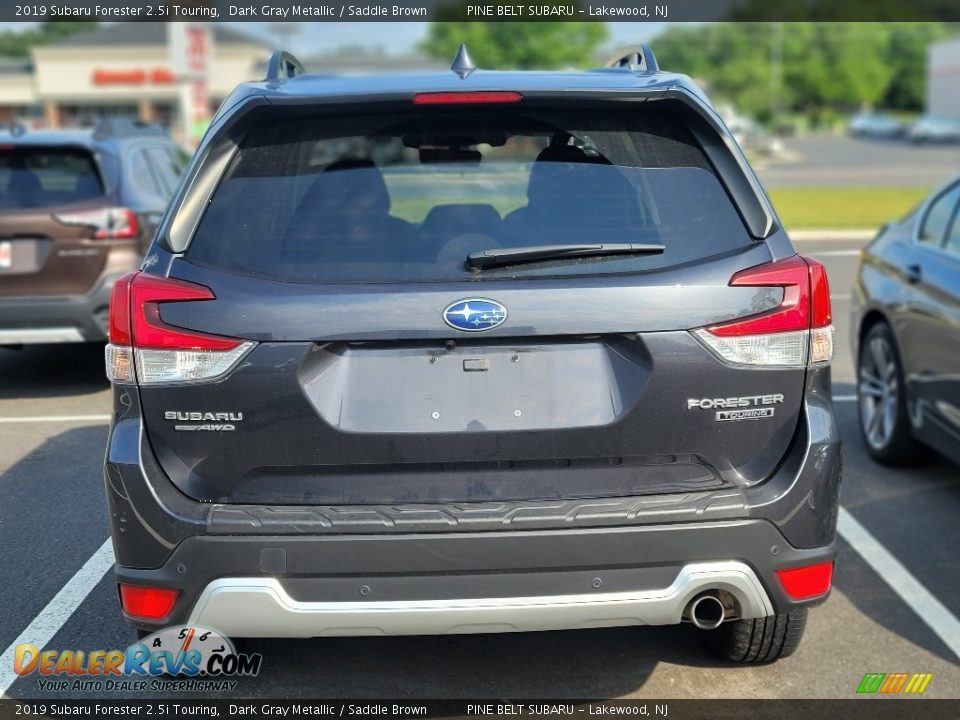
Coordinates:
(127, 69)
(943, 78)
(121, 69)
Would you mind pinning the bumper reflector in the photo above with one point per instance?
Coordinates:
(808, 581)
(149, 603)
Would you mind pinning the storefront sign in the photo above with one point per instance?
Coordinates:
(133, 76)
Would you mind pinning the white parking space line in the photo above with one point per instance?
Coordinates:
(934, 613)
(54, 418)
(835, 253)
(844, 398)
(840, 297)
(46, 624)
(833, 235)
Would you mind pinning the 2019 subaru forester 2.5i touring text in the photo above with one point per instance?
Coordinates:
(473, 352)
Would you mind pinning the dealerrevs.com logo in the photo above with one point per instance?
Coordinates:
(181, 658)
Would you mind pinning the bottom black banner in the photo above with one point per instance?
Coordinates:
(856, 709)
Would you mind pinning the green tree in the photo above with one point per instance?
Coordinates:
(908, 43)
(51, 31)
(18, 43)
(518, 45)
(825, 66)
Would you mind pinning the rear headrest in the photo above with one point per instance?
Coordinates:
(549, 175)
(351, 185)
(562, 153)
(25, 185)
(460, 217)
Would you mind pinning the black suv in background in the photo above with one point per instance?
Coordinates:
(473, 352)
(77, 210)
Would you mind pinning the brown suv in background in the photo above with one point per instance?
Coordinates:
(77, 209)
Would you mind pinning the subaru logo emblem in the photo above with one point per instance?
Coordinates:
(474, 315)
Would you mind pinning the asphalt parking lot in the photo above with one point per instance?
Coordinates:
(838, 160)
(53, 405)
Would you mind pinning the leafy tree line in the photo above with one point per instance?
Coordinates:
(827, 66)
(517, 45)
(763, 68)
(18, 43)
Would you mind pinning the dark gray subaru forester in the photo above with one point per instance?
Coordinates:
(473, 352)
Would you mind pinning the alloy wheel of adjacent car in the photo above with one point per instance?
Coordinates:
(881, 399)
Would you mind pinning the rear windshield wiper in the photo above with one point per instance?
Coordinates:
(496, 257)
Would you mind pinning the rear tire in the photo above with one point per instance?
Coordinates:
(760, 640)
(884, 421)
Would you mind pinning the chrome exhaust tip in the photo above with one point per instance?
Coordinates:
(706, 612)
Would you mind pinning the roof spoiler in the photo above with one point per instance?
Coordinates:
(636, 57)
(283, 66)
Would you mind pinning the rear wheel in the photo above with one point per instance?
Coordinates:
(882, 400)
(759, 640)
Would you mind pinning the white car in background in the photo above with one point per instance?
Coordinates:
(875, 125)
(935, 129)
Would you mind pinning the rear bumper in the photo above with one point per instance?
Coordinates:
(261, 607)
(69, 318)
(281, 586)
(302, 571)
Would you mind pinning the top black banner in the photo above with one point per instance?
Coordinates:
(487, 11)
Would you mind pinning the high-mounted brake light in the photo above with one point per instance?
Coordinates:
(467, 97)
(106, 223)
(795, 332)
(146, 602)
(807, 581)
(162, 352)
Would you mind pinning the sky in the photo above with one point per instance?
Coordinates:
(395, 38)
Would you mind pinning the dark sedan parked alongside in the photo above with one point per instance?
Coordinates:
(906, 333)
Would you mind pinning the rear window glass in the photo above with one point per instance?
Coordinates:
(40, 177)
(388, 198)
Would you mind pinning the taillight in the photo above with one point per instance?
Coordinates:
(807, 581)
(162, 353)
(114, 223)
(797, 331)
(147, 293)
(146, 602)
(467, 97)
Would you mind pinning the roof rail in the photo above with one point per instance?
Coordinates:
(636, 57)
(110, 127)
(283, 66)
